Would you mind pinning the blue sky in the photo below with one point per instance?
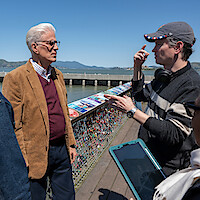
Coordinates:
(94, 32)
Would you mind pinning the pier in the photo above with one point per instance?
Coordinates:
(93, 79)
(95, 174)
(105, 182)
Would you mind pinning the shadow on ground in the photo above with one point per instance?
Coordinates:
(110, 195)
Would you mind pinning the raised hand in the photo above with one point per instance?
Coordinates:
(140, 57)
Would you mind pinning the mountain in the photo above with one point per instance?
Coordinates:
(4, 63)
(196, 65)
(59, 64)
(76, 65)
(73, 65)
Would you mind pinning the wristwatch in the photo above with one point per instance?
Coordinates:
(131, 112)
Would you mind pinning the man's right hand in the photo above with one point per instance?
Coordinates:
(140, 57)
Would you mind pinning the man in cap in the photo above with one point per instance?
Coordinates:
(165, 125)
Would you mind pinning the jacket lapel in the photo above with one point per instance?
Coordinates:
(38, 92)
(61, 96)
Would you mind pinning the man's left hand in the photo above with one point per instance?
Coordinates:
(73, 154)
(125, 102)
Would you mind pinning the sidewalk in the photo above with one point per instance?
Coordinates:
(105, 182)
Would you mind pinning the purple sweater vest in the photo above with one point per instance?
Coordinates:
(56, 116)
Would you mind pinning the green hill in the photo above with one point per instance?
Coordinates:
(59, 64)
(73, 65)
(4, 63)
(196, 65)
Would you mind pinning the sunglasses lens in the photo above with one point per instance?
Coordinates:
(52, 43)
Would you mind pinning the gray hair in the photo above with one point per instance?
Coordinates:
(35, 33)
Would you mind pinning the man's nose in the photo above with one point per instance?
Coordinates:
(55, 46)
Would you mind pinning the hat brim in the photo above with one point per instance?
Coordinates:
(154, 36)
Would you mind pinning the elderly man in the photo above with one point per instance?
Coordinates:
(38, 95)
(166, 125)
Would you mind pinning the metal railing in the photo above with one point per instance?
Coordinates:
(93, 130)
(93, 134)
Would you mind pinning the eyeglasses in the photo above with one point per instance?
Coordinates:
(191, 107)
(51, 42)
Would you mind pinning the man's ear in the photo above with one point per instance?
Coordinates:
(34, 48)
(178, 47)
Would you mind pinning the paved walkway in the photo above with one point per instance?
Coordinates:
(105, 182)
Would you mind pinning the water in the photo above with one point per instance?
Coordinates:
(91, 71)
(98, 71)
(76, 92)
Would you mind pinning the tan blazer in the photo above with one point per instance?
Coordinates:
(23, 89)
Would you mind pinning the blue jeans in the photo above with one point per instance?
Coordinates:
(59, 172)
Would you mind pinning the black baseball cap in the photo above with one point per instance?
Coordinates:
(177, 30)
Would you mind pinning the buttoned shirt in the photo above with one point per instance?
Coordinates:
(42, 71)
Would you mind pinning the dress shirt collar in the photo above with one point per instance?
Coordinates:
(42, 71)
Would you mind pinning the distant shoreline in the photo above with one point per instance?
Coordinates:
(74, 65)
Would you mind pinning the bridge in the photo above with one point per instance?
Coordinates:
(93, 79)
